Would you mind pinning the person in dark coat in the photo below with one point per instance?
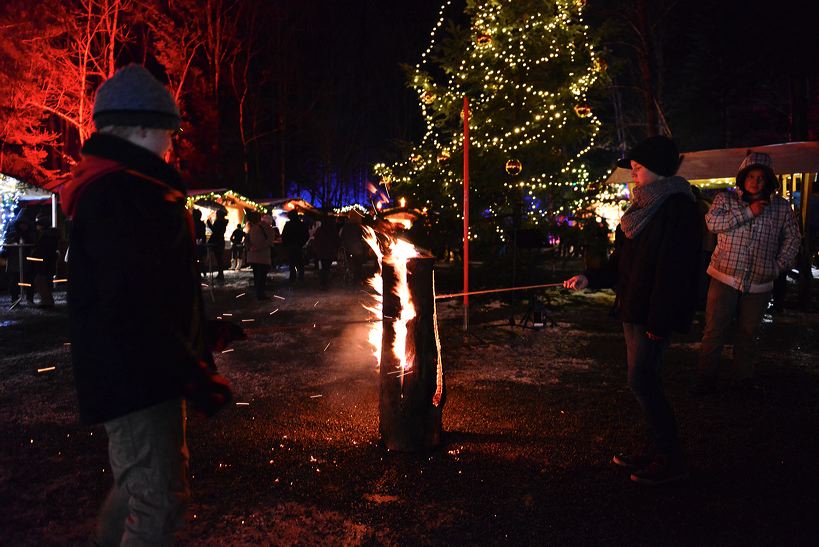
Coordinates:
(216, 243)
(294, 236)
(21, 232)
(44, 254)
(352, 241)
(654, 272)
(326, 242)
(140, 344)
(237, 248)
(200, 235)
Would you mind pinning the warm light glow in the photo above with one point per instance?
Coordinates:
(399, 251)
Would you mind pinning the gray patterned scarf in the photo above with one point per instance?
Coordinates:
(646, 201)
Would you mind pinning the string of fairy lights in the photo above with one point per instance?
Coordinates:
(505, 61)
(9, 198)
(227, 195)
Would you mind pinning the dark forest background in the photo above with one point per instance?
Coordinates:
(305, 96)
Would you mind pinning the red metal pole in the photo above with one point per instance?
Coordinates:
(466, 213)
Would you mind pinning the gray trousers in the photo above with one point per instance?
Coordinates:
(149, 460)
(724, 305)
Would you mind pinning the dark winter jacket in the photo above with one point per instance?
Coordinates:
(326, 240)
(237, 237)
(655, 274)
(48, 241)
(217, 232)
(295, 234)
(135, 306)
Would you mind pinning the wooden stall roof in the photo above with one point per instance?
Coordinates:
(704, 165)
(290, 204)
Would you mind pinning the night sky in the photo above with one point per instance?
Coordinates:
(727, 72)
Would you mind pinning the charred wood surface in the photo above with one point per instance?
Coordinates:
(409, 419)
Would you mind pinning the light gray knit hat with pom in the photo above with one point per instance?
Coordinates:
(133, 97)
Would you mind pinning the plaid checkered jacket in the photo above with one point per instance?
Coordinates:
(751, 251)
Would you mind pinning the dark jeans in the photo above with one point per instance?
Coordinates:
(645, 361)
(260, 278)
(355, 262)
(295, 257)
(324, 271)
(219, 257)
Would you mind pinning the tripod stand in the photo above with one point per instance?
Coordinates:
(535, 317)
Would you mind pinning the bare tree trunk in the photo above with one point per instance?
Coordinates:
(644, 53)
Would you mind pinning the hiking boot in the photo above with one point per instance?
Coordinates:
(632, 462)
(663, 469)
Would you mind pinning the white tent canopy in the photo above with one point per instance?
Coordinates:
(788, 158)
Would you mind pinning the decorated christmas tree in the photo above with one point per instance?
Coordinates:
(526, 67)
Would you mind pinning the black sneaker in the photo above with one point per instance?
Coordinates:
(632, 462)
(663, 469)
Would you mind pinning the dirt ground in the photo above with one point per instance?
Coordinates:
(531, 422)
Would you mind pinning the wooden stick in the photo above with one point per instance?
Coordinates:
(443, 296)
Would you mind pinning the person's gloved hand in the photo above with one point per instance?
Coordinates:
(220, 333)
(207, 391)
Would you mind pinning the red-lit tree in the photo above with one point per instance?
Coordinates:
(54, 55)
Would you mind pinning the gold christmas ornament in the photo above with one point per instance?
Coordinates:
(600, 64)
(428, 97)
(514, 167)
(443, 156)
(415, 158)
(580, 3)
(583, 110)
(483, 39)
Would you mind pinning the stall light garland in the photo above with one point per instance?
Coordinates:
(510, 63)
(221, 196)
(347, 208)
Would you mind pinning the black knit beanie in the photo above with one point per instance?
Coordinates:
(659, 154)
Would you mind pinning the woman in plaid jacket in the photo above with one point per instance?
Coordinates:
(757, 239)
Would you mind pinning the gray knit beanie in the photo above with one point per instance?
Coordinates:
(133, 97)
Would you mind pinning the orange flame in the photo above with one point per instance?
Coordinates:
(398, 252)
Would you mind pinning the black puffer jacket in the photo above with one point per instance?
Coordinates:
(137, 323)
(655, 274)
